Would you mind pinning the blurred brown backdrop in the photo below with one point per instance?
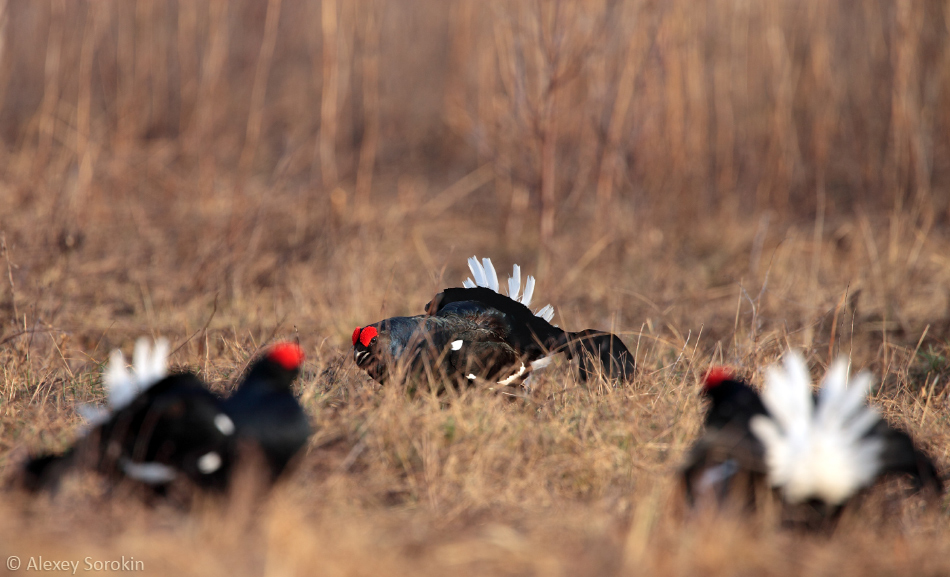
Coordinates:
(796, 106)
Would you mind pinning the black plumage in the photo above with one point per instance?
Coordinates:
(727, 459)
(597, 351)
(533, 337)
(424, 345)
(174, 426)
(469, 333)
(266, 412)
(902, 457)
(159, 428)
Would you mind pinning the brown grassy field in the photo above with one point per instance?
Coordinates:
(715, 182)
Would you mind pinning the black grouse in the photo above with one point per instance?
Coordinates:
(265, 411)
(475, 332)
(155, 428)
(816, 450)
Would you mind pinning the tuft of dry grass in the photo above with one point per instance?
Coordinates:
(715, 185)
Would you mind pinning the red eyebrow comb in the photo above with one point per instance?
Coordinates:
(367, 334)
(715, 376)
(287, 355)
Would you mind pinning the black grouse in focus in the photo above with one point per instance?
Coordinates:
(476, 332)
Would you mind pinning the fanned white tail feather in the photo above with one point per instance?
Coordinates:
(491, 274)
(93, 415)
(484, 275)
(478, 272)
(514, 282)
(546, 312)
(150, 365)
(528, 293)
(818, 452)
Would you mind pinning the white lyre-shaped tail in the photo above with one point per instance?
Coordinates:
(818, 451)
(122, 385)
(485, 276)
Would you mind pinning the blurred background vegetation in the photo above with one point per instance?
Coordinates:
(796, 107)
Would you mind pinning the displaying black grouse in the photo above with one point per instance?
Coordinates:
(155, 428)
(812, 449)
(265, 411)
(476, 332)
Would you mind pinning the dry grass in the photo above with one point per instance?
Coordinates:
(714, 184)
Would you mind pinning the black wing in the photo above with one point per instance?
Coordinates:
(901, 456)
(173, 425)
(533, 337)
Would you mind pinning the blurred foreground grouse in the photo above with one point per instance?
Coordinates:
(475, 332)
(265, 411)
(814, 450)
(727, 459)
(155, 428)
(158, 427)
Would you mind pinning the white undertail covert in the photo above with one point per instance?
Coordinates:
(818, 451)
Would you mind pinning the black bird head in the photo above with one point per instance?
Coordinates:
(733, 401)
(369, 349)
(276, 370)
(404, 346)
